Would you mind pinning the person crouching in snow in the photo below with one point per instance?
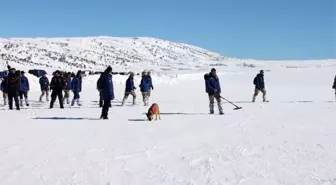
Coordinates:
(151, 84)
(129, 90)
(4, 89)
(259, 86)
(67, 88)
(44, 84)
(76, 88)
(24, 89)
(57, 85)
(144, 87)
(213, 89)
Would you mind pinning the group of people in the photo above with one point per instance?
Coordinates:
(16, 85)
(106, 90)
(213, 88)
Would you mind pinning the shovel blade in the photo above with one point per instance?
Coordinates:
(237, 108)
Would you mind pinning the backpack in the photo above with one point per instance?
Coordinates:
(206, 78)
(100, 83)
(255, 81)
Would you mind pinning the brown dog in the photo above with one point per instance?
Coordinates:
(154, 110)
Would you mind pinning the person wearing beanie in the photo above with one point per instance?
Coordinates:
(24, 89)
(44, 84)
(259, 86)
(213, 89)
(130, 89)
(106, 86)
(76, 88)
(144, 88)
(13, 82)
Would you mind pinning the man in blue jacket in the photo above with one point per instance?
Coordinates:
(106, 85)
(76, 88)
(213, 89)
(145, 85)
(24, 89)
(259, 86)
(44, 84)
(67, 88)
(4, 89)
(129, 90)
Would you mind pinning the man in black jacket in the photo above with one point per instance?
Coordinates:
(259, 86)
(57, 86)
(334, 86)
(13, 82)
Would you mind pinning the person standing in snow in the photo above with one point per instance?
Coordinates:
(151, 84)
(213, 89)
(44, 84)
(259, 86)
(57, 85)
(334, 85)
(24, 89)
(144, 87)
(76, 88)
(4, 89)
(13, 81)
(67, 88)
(129, 90)
(106, 84)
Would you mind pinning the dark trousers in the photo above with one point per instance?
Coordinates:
(54, 95)
(106, 106)
(13, 94)
(23, 94)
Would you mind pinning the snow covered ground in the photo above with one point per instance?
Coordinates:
(290, 140)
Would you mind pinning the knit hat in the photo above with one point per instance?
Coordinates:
(213, 70)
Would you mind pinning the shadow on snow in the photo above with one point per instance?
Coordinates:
(64, 118)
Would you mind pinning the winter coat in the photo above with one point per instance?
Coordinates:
(24, 85)
(77, 84)
(57, 83)
(44, 83)
(150, 82)
(13, 81)
(259, 81)
(4, 86)
(213, 85)
(68, 83)
(108, 91)
(145, 84)
(129, 85)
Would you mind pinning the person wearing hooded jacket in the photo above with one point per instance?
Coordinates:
(44, 84)
(129, 90)
(76, 88)
(13, 82)
(213, 89)
(4, 89)
(106, 87)
(57, 85)
(24, 89)
(259, 86)
(334, 85)
(145, 85)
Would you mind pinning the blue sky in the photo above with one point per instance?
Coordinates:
(259, 29)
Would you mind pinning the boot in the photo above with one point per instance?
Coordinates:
(41, 98)
(211, 106)
(78, 102)
(220, 108)
(27, 103)
(72, 102)
(134, 101)
(253, 99)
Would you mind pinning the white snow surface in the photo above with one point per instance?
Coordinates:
(287, 141)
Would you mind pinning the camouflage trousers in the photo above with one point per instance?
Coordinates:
(256, 92)
(145, 98)
(126, 96)
(66, 96)
(212, 98)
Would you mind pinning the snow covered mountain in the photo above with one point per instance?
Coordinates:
(94, 53)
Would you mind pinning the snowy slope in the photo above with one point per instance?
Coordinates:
(95, 53)
(290, 140)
